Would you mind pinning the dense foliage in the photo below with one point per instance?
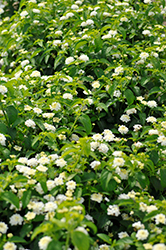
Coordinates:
(82, 125)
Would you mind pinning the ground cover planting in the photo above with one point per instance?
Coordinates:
(82, 125)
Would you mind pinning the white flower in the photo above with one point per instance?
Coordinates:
(3, 89)
(119, 70)
(56, 42)
(112, 33)
(3, 227)
(122, 235)
(2, 139)
(131, 111)
(30, 123)
(69, 60)
(49, 127)
(82, 229)
(84, 58)
(151, 119)
(16, 219)
(30, 215)
(125, 118)
(123, 173)
(50, 206)
(9, 246)
(43, 242)
(151, 208)
(118, 162)
(42, 168)
(103, 148)
(104, 247)
(25, 62)
(153, 132)
(163, 124)
(32, 162)
(60, 162)
(55, 106)
(94, 164)
(137, 127)
(24, 13)
(117, 153)
(69, 14)
(97, 137)
(71, 185)
(35, 73)
(113, 210)
(142, 234)
(96, 84)
(74, 7)
(50, 184)
(147, 246)
(1, 11)
(124, 19)
(138, 225)
(147, 1)
(123, 129)
(151, 104)
(159, 246)
(58, 32)
(89, 22)
(37, 111)
(67, 96)
(96, 197)
(160, 218)
(146, 33)
(144, 55)
(93, 13)
(117, 93)
(36, 11)
(162, 139)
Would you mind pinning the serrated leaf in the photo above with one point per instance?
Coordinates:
(11, 198)
(80, 240)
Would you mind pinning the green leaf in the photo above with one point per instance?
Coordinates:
(25, 230)
(150, 215)
(54, 245)
(129, 96)
(80, 44)
(42, 181)
(142, 179)
(154, 90)
(102, 106)
(126, 240)
(80, 240)
(11, 198)
(144, 81)
(98, 43)
(26, 198)
(19, 178)
(123, 32)
(163, 177)
(3, 128)
(17, 239)
(12, 113)
(91, 225)
(44, 227)
(86, 122)
(40, 124)
(58, 61)
(105, 238)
